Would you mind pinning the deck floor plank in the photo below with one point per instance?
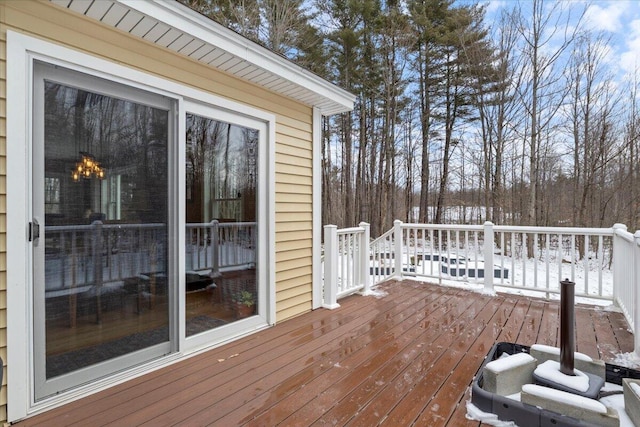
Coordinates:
(407, 358)
(333, 367)
(92, 405)
(434, 356)
(385, 386)
(606, 339)
(439, 409)
(459, 341)
(215, 399)
(585, 332)
(622, 331)
(531, 323)
(549, 327)
(391, 336)
(512, 328)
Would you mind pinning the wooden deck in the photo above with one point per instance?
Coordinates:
(407, 358)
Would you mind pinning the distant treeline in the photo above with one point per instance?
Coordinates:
(523, 114)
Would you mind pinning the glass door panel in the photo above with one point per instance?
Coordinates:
(221, 230)
(101, 293)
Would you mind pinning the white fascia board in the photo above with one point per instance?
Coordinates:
(199, 26)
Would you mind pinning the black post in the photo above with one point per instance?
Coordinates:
(567, 322)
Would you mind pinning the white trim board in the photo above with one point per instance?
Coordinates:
(175, 26)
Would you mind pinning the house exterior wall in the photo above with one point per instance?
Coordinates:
(293, 145)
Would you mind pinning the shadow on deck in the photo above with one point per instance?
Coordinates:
(404, 358)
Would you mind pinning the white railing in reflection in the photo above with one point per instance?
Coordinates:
(81, 256)
(214, 245)
(77, 256)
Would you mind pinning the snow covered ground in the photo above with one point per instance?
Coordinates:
(527, 277)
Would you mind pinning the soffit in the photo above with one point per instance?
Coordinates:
(176, 27)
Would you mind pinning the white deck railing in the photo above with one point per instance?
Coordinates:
(626, 277)
(604, 263)
(346, 255)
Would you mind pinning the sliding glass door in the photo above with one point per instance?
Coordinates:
(100, 228)
(147, 226)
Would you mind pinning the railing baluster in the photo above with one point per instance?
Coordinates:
(586, 265)
(502, 253)
(535, 260)
(573, 258)
(547, 255)
(600, 263)
(513, 258)
(560, 255)
(525, 255)
(488, 257)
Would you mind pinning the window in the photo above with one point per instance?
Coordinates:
(221, 209)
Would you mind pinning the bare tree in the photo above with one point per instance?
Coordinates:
(543, 94)
(592, 124)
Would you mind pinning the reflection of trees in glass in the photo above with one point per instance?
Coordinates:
(127, 138)
(51, 195)
(221, 170)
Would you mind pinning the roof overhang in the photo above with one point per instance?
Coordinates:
(175, 26)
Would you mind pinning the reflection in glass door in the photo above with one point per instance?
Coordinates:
(100, 198)
(221, 229)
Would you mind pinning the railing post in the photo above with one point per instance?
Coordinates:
(636, 292)
(488, 257)
(96, 255)
(618, 262)
(364, 258)
(330, 285)
(215, 249)
(397, 249)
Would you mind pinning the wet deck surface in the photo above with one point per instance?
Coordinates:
(407, 358)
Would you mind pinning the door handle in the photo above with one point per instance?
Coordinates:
(34, 230)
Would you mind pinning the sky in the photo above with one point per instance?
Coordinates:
(617, 19)
(620, 19)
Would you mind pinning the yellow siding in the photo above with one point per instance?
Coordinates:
(293, 160)
(290, 307)
(292, 284)
(293, 154)
(293, 277)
